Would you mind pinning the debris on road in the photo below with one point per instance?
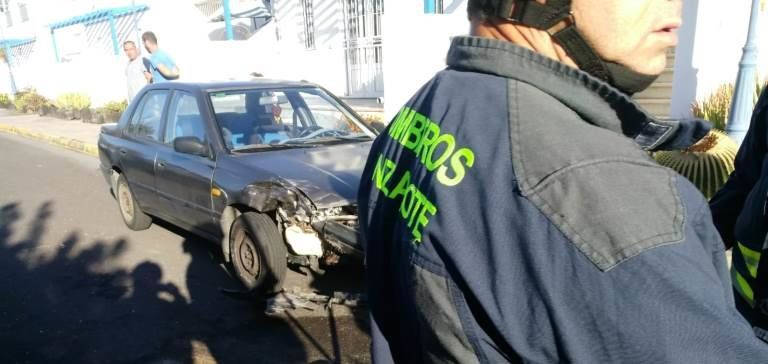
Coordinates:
(296, 298)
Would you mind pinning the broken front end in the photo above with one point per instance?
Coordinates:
(314, 235)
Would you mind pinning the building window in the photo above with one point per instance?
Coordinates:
(23, 15)
(363, 43)
(7, 11)
(309, 24)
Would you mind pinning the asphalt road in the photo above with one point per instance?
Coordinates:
(77, 286)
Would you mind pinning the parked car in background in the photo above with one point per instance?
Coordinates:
(268, 170)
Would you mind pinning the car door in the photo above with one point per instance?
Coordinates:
(138, 154)
(184, 180)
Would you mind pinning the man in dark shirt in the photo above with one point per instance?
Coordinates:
(740, 212)
(510, 211)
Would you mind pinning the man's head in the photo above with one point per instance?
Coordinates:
(129, 47)
(634, 34)
(150, 41)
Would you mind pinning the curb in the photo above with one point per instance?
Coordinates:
(68, 143)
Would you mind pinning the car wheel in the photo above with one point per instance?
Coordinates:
(258, 253)
(132, 214)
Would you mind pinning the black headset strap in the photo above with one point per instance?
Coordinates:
(550, 17)
(534, 14)
(584, 56)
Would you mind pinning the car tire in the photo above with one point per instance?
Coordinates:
(257, 253)
(133, 216)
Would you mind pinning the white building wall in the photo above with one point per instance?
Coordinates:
(91, 67)
(415, 46)
(710, 48)
(89, 64)
(325, 63)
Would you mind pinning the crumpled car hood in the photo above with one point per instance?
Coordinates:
(328, 175)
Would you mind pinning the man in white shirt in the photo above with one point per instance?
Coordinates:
(136, 73)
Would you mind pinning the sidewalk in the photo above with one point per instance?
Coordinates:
(71, 134)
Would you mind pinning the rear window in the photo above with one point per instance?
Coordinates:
(147, 118)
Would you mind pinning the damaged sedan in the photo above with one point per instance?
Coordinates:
(268, 170)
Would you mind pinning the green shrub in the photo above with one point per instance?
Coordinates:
(18, 99)
(28, 100)
(716, 107)
(5, 101)
(34, 102)
(116, 106)
(73, 101)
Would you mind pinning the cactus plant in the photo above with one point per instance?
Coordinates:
(707, 164)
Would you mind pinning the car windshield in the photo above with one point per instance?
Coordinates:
(284, 118)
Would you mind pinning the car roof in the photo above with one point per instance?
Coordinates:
(259, 83)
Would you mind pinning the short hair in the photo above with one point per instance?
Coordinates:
(149, 36)
(127, 42)
(483, 9)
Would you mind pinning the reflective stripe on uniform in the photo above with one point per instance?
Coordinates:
(751, 259)
(742, 287)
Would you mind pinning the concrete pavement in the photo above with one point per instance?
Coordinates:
(71, 134)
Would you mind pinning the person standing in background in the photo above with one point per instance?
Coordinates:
(163, 67)
(137, 73)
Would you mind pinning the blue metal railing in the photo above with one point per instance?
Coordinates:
(228, 20)
(94, 17)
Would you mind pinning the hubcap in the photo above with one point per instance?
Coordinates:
(126, 203)
(248, 256)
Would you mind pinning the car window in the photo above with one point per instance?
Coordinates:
(228, 103)
(283, 116)
(146, 121)
(325, 114)
(253, 116)
(184, 119)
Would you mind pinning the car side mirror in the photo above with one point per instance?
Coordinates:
(190, 145)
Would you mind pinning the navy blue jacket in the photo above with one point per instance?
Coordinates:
(740, 211)
(511, 212)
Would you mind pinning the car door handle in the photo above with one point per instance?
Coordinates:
(123, 151)
(160, 163)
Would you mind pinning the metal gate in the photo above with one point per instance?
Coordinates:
(362, 43)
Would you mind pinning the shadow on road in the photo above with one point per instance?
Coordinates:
(75, 302)
(71, 303)
(253, 336)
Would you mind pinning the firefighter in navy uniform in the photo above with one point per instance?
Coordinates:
(510, 211)
(740, 212)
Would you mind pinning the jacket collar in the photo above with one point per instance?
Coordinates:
(596, 101)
